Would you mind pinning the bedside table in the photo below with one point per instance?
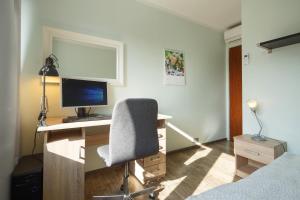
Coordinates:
(251, 155)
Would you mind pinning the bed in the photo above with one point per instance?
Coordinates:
(280, 180)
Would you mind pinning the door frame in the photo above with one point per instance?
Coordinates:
(230, 44)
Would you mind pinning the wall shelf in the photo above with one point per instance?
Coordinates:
(280, 42)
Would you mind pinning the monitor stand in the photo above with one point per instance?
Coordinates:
(83, 115)
(81, 112)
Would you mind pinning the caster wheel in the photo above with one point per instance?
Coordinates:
(152, 196)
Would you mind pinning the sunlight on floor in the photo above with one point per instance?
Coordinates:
(170, 186)
(198, 154)
(223, 169)
(202, 169)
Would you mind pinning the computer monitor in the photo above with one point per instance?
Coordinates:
(83, 93)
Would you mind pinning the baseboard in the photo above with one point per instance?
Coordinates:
(195, 146)
(215, 141)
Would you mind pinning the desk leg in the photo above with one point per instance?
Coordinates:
(64, 165)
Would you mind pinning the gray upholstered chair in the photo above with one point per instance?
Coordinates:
(133, 135)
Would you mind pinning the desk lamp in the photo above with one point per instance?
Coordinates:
(252, 104)
(49, 69)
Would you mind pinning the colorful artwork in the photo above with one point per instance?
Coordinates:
(174, 67)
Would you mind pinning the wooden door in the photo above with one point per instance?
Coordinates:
(235, 90)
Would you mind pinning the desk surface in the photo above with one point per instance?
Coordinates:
(55, 123)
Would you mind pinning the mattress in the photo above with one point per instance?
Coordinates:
(279, 180)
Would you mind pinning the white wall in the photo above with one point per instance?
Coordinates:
(272, 79)
(9, 70)
(197, 108)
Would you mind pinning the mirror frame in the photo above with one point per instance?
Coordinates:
(50, 33)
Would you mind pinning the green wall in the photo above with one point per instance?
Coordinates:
(198, 108)
(272, 79)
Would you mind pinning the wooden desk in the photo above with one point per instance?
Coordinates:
(64, 156)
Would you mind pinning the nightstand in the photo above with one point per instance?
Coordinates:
(251, 155)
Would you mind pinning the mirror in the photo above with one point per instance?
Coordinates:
(84, 56)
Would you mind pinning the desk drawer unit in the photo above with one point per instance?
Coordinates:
(153, 167)
(153, 160)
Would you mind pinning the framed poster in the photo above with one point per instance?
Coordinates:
(174, 69)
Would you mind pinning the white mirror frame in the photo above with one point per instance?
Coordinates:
(51, 33)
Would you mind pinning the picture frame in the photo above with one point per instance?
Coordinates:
(174, 67)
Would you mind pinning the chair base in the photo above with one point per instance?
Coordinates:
(130, 196)
(127, 195)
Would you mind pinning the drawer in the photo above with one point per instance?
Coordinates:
(161, 133)
(255, 153)
(153, 160)
(155, 170)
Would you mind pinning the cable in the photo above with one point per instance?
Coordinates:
(34, 145)
(34, 142)
(283, 147)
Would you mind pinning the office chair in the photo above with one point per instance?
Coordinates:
(133, 135)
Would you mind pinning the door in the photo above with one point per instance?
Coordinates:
(235, 91)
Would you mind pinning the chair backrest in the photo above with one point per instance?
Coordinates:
(133, 132)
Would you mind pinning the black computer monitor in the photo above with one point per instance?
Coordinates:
(83, 93)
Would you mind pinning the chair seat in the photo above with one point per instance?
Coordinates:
(103, 152)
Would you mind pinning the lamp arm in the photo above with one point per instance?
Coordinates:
(42, 115)
(259, 123)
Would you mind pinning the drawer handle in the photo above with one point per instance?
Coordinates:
(81, 149)
(252, 152)
(160, 136)
(160, 147)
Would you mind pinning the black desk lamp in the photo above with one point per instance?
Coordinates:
(49, 69)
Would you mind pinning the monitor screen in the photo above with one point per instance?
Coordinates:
(82, 93)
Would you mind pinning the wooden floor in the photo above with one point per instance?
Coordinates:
(188, 172)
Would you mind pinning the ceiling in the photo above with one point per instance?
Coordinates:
(216, 14)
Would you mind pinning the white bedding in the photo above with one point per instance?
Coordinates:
(280, 180)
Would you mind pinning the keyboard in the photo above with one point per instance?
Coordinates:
(85, 119)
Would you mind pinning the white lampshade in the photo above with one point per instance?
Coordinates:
(252, 104)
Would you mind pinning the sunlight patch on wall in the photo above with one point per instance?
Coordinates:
(183, 133)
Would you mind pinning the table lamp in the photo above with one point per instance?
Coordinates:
(253, 105)
(48, 69)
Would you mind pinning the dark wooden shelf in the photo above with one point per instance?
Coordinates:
(280, 42)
